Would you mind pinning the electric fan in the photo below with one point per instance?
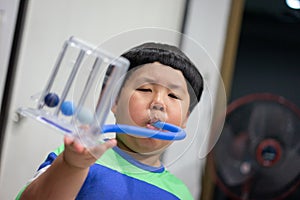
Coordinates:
(258, 153)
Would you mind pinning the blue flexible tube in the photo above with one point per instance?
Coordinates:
(173, 132)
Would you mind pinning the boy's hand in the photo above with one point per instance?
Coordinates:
(77, 156)
(66, 175)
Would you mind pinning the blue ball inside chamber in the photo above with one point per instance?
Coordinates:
(51, 100)
(67, 108)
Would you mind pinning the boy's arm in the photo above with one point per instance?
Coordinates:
(66, 175)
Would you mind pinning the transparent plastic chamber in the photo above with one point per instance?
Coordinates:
(79, 94)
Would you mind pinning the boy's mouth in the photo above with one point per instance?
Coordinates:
(150, 126)
(154, 117)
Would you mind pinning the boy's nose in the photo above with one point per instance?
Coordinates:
(157, 106)
(158, 102)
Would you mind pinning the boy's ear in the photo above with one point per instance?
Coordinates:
(186, 119)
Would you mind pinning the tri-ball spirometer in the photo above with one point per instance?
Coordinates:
(80, 91)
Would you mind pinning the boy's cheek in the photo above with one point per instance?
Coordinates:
(178, 116)
(178, 121)
(137, 111)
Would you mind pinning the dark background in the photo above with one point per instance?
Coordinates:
(268, 58)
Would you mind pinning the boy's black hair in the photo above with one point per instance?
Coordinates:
(171, 56)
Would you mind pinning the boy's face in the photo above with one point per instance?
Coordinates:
(152, 92)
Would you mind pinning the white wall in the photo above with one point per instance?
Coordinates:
(8, 16)
(48, 24)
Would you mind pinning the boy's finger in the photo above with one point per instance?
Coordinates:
(78, 146)
(110, 143)
(68, 140)
(73, 143)
(98, 150)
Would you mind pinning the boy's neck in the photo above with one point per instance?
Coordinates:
(151, 159)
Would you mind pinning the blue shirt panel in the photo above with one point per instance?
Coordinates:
(105, 183)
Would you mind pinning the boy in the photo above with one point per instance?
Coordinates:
(163, 85)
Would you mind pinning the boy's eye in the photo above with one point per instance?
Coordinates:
(174, 96)
(144, 89)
